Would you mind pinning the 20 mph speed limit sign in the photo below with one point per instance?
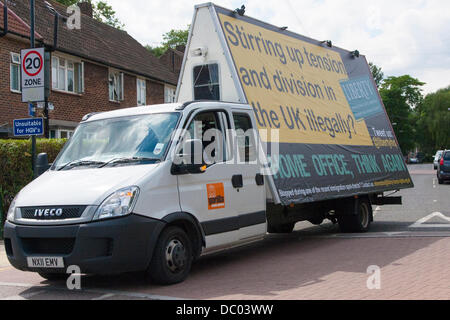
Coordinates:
(33, 75)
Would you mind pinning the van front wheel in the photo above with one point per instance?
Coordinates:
(172, 258)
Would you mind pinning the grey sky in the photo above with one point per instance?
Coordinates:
(401, 36)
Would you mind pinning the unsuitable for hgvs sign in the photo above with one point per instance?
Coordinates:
(28, 127)
(32, 70)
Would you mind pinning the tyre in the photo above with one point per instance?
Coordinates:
(316, 221)
(357, 218)
(281, 228)
(440, 181)
(172, 258)
(54, 276)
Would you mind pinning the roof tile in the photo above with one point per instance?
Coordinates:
(96, 41)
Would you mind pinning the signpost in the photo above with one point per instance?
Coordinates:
(28, 127)
(32, 66)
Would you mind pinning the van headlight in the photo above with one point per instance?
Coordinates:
(120, 203)
(12, 210)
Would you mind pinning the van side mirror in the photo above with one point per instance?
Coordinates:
(190, 160)
(41, 163)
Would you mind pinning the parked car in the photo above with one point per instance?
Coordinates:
(437, 156)
(443, 172)
(420, 157)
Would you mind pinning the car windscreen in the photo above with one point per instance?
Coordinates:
(104, 141)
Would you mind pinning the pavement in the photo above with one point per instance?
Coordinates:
(404, 256)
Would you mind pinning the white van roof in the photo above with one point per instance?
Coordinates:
(159, 108)
(149, 109)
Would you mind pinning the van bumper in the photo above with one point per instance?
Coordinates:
(103, 247)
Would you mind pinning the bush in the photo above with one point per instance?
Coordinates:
(15, 165)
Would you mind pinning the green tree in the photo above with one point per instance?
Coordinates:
(156, 51)
(401, 95)
(171, 39)
(434, 121)
(103, 12)
(377, 74)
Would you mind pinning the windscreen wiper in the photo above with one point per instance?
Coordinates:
(80, 163)
(128, 160)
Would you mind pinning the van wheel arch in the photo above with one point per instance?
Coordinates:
(191, 226)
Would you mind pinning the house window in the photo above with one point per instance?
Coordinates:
(15, 72)
(141, 92)
(67, 75)
(206, 82)
(115, 86)
(169, 94)
(61, 134)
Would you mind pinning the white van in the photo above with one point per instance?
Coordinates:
(114, 198)
(153, 188)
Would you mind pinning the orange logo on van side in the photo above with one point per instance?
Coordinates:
(216, 196)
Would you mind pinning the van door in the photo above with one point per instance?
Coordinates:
(251, 202)
(210, 196)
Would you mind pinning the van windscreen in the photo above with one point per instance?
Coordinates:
(114, 140)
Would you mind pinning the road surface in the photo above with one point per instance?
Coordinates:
(406, 255)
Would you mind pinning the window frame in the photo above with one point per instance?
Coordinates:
(122, 80)
(219, 73)
(12, 65)
(247, 160)
(139, 92)
(222, 119)
(173, 94)
(78, 74)
(58, 132)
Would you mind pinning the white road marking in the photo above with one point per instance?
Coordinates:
(434, 182)
(92, 290)
(397, 234)
(378, 208)
(421, 222)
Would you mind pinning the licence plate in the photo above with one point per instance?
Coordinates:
(45, 262)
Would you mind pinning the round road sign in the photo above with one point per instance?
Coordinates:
(32, 63)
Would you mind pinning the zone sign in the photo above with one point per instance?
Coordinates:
(33, 75)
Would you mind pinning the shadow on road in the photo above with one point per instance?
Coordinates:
(279, 263)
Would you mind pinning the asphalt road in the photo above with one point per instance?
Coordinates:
(409, 243)
(417, 214)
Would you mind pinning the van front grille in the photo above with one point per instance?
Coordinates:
(52, 213)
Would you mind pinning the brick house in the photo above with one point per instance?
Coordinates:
(96, 68)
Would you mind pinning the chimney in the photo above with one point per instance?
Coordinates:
(86, 8)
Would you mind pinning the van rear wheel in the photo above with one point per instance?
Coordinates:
(172, 258)
(357, 218)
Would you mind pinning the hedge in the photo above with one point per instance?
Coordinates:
(15, 165)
